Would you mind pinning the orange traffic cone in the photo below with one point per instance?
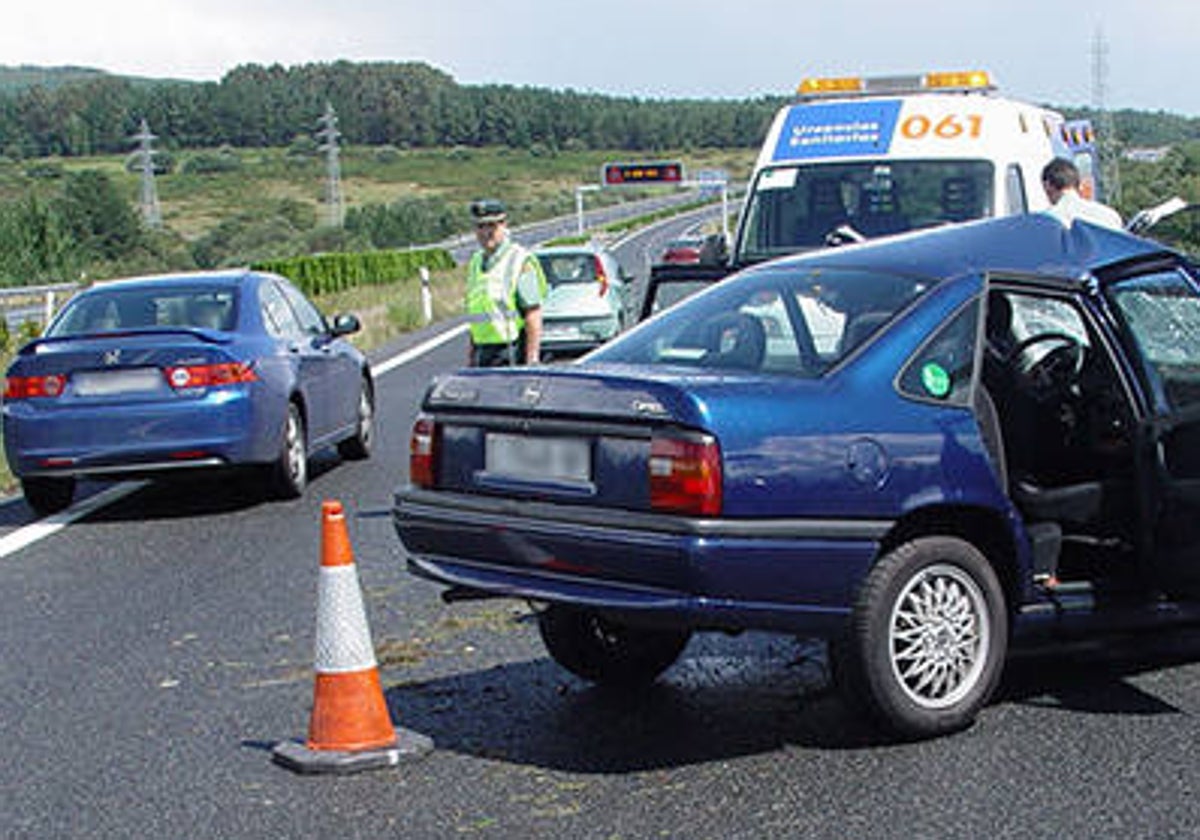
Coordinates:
(350, 729)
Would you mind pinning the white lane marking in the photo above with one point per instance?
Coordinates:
(24, 537)
(39, 530)
(420, 350)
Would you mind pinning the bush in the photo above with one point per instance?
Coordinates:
(210, 163)
(327, 273)
(387, 154)
(48, 171)
(303, 146)
(407, 222)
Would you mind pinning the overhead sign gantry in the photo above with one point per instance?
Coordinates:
(647, 173)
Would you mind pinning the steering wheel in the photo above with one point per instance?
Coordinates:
(1049, 373)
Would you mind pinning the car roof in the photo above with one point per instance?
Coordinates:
(1031, 244)
(569, 250)
(227, 277)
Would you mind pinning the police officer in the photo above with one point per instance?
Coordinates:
(505, 289)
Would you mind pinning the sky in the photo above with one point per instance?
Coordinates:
(1039, 50)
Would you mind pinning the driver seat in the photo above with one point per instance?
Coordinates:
(1051, 514)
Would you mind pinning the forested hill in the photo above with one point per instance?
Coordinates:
(17, 79)
(77, 111)
(402, 104)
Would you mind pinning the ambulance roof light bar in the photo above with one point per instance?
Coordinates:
(971, 81)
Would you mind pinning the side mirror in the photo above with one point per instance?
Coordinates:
(715, 250)
(345, 324)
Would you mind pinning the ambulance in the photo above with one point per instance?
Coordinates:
(855, 158)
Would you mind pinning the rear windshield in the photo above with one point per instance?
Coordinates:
(106, 310)
(799, 321)
(561, 269)
(797, 207)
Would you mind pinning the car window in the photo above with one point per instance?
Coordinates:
(1162, 313)
(793, 208)
(941, 370)
(773, 320)
(311, 321)
(564, 269)
(665, 294)
(278, 317)
(149, 307)
(1035, 315)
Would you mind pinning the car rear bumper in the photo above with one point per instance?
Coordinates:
(786, 575)
(94, 440)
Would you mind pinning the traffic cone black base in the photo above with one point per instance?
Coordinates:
(294, 755)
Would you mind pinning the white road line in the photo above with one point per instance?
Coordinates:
(24, 537)
(421, 349)
(28, 535)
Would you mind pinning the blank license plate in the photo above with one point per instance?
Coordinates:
(552, 458)
(109, 382)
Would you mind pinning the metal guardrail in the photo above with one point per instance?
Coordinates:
(32, 303)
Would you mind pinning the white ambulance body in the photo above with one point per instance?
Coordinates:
(870, 157)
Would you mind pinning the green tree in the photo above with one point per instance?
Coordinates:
(35, 247)
(98, 216)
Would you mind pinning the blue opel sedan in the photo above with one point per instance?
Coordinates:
(921, 449)
(160, 375)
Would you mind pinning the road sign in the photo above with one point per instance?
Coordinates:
(651, 172)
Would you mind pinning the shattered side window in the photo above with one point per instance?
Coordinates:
(1162, 314)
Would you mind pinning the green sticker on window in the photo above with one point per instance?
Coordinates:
(935, 379)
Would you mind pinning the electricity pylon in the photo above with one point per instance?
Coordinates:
(144, 157)
(1109, 148)
(328, 135)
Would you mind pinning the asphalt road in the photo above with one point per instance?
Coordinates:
(155, 650)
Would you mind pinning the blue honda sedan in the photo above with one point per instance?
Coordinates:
(160, 375)
(919, 448)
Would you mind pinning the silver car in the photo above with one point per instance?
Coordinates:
(585, 305)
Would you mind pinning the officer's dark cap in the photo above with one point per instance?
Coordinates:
(488, 210)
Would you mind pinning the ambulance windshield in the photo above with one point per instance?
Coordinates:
(794, 208)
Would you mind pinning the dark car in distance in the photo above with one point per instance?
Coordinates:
(921, 449)
(685, 250)
(165, 375)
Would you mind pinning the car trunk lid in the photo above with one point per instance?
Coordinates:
(143, 364)
(574, 437)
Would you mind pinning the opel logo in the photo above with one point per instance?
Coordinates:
(112, 357)
(532, 394)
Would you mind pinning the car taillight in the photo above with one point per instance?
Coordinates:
(30, 387)
(210, 376)
(422, 453)
(601, 277)
(685, 474)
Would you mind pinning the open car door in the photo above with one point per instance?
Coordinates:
(1160, 310)
(1175, 223)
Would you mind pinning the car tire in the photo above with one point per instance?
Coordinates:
(927, 639)
(608, 652)
(48, 495)
(289, 474)
(359, 446)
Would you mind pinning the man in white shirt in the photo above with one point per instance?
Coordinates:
(1060, 179)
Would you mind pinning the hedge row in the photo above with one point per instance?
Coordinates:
(326, 273)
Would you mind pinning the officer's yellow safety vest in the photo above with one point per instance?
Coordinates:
(492, 296)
